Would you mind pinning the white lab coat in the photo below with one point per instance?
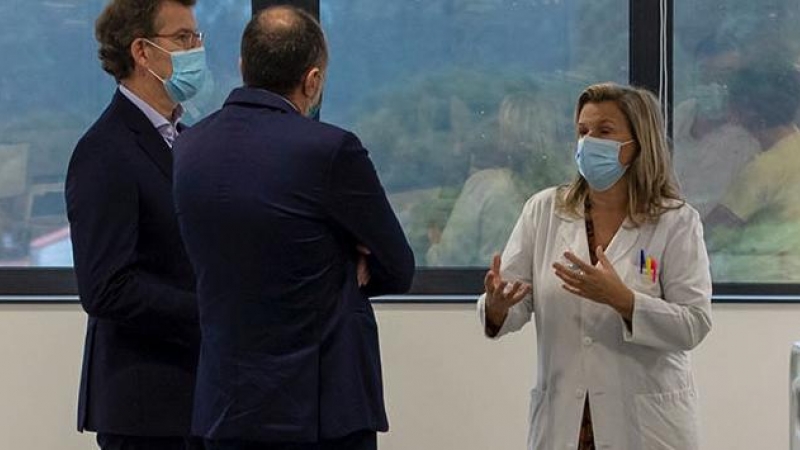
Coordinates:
(639, 382)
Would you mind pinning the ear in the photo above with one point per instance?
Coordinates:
(628, 153)
(139, 52)
(240, 66)
(312, 82)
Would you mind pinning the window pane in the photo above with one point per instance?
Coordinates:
(51, 91)
(737, 146)
(466, 106)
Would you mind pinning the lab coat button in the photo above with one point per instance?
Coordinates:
(587, 341)
(579, 393)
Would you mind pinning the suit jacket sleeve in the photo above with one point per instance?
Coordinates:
(102, 202)
(358, 203)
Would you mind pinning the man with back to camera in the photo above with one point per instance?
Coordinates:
(289, 231)
(134, 278)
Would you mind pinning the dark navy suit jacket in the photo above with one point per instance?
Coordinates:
(134, 280)
(271, 206)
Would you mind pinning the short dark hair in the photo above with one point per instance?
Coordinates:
(766, 93)
(279, 45)
(122, 22)
(715, 45)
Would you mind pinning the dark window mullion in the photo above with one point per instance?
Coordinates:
(645, 48)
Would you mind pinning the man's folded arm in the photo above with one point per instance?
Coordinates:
(358, 203)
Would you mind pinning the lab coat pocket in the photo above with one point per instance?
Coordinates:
(537, 420)
(668, 420)
(645, 283)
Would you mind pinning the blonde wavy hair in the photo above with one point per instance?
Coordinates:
(652, 188)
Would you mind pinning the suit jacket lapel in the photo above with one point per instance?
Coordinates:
(159, 152)
(147, 137)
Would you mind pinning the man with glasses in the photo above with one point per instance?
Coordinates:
(134, 278)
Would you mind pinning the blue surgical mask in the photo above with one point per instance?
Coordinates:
(598, 162)
(189, 73)
(313, 111)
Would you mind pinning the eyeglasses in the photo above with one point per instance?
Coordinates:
(186, 39)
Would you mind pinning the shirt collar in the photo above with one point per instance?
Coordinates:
(288, 102)
(158, 121)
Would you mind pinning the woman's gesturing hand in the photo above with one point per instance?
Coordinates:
(500, 296)
(599, 283)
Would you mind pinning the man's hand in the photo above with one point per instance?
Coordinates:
(362, 270)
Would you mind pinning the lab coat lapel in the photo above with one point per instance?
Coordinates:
(625, 238)
(572, 237)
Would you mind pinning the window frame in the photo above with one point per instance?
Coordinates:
(461, 284)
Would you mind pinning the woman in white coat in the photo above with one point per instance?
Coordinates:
(614, 270)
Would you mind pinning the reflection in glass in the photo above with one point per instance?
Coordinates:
(737, 147)
(466, 106)
(494, 191)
